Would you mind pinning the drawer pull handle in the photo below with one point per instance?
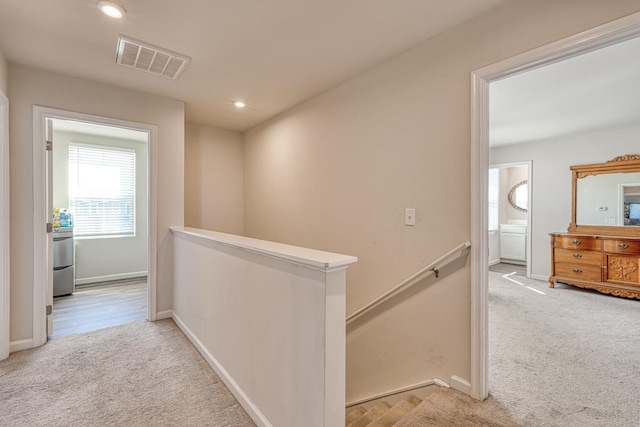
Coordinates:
(577, 255)
(576, 242)
(623, 245)
(577, 270)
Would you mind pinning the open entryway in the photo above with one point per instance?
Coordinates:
(99, 226)
(532, 343)
(96, 200)
(509, 213)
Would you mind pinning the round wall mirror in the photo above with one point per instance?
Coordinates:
(519, 196)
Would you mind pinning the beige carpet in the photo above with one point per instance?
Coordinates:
(447, 407)
(563, 357)
(138, 374)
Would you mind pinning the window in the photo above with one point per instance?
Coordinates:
(494, 198)
(102, 190)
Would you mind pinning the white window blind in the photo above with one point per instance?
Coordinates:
(102, 190)
(494, 198)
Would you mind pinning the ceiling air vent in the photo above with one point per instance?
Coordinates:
(152, 59)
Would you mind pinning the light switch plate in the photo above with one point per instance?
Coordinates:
(409, 216)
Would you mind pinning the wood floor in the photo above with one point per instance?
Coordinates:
(97, 307)
(505, 268)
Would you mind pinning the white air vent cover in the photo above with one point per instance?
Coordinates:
(152, 59)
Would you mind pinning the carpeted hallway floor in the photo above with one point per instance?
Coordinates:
(558, 357)
(565, 356)
(138, 374)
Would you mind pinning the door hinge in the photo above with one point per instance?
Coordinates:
(49, 146)
(49, 227)
(49, 310)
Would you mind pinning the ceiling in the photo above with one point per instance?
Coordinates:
(596, 91)
(271, 54)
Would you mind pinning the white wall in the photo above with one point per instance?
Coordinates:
(102, 259)
(551, 186)
(28, 87)
(337, 171)
(214, 179)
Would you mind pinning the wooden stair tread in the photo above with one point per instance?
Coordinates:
(397, 412)
(354, 415)
(371, 415)
(444, 407)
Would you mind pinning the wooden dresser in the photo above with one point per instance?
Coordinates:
(608, 264)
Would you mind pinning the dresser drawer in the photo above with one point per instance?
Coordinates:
(591, 273)
(629, 247)
(577, 242)
(578, 257)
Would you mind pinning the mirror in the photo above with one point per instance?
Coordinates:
(606, 197)
(519, 196)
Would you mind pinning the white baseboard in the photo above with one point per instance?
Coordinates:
(110, 277)
(441, 383)
(254, 412)
(20, 345)
(166, 314)
(411, 387)
(461, 385)
(494, 262)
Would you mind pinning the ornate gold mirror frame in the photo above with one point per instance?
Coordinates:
(620, 164)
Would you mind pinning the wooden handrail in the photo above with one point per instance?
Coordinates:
(431, 268)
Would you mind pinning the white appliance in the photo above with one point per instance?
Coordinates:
(64, 277)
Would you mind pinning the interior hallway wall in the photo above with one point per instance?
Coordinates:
(30, 87)
(550, 169)
(214, 179)
(337, 171)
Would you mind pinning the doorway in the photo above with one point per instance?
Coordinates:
(510, 208)
(104, 254)
(100, 218)
(618, 31)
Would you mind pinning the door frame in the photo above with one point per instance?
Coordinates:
(40, 216)
(611, 33)
(5, 248)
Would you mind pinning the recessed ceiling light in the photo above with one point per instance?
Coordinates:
(112, 9)
(239, 104)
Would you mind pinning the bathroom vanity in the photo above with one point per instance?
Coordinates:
(513, 243)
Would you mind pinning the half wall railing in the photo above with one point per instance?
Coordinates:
(269, 318)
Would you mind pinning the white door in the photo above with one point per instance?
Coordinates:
(49, 211)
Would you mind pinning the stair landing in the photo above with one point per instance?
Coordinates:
(444, 408)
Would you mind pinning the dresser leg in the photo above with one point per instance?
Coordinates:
(552, 283)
